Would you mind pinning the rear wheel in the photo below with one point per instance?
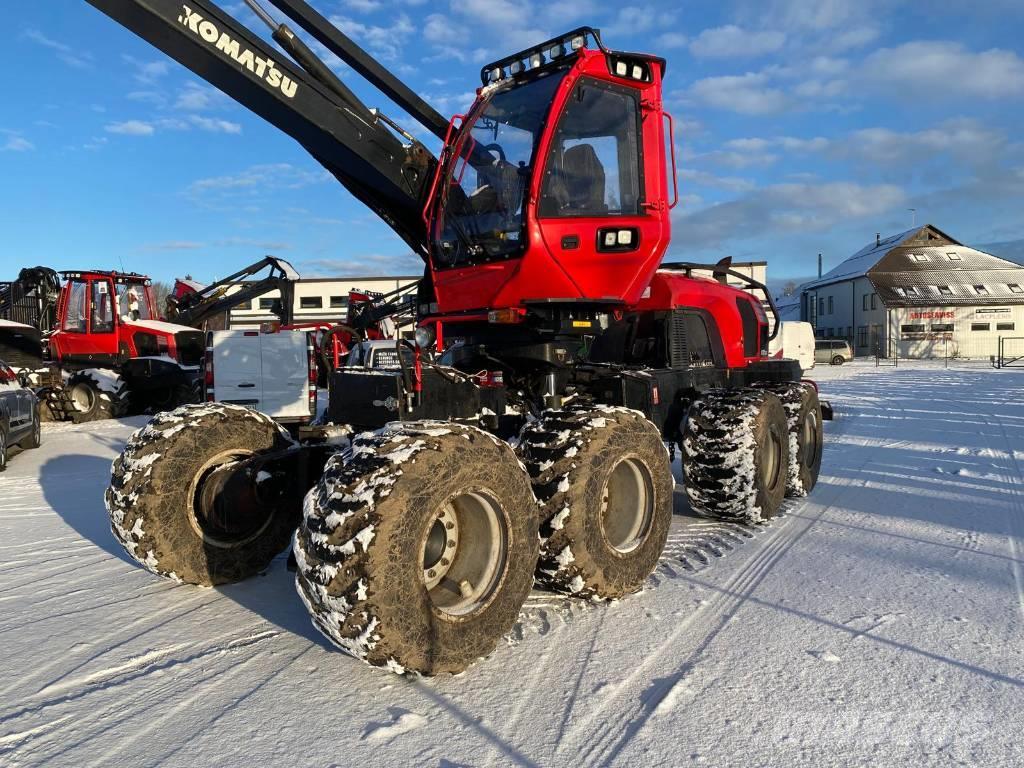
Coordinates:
(3, 450)
(165, 503)
(806, 434)
(736, 454)
(95, 395)
(838, 360)
(35, 437)
(418, 548)
(603, 478)
(166, 398)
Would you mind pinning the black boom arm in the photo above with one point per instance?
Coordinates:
(309, 104)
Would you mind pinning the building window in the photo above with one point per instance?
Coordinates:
(820, 333)
(828, 333)
(874, 301)
(953, 256)
(899, 291)
(945, 290)
(979, 326)
(267, 303)
(981, 290)
(1015, 288)
(918, 257)
(821, 306)
(1005, 326)
(911, 291)
(942, 327)
(912, 328)
(339, 302)
(311, 302)
(862, 336)
(831, 305)
(864, 302)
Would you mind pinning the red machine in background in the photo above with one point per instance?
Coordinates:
(100, 347)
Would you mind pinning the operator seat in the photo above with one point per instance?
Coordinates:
(578, 186)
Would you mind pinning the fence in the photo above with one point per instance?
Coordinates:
(1010, 353)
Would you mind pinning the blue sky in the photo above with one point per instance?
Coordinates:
(801, 127)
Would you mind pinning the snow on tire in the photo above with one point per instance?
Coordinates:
(95, 394)
(417, 547)
(604, 481)
(806, 437)
(736, 454)
(154, 495)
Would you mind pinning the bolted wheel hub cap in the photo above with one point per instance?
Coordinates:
(464, 553)
(627, 505)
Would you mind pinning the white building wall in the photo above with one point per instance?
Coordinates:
(849, 310)
(330, 294)
(922, 332)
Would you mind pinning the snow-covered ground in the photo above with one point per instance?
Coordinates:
(879, 622)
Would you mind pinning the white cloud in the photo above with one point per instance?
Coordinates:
(733, 42)
(15, 143)
(214, 125)
(789, 208)
(947, 69)
(131, 128)
(260, 178)
(749, 94)
(147, 72)
(363, 6)
(671, 40)
(64, 52)
(199, 98)
(386, 43)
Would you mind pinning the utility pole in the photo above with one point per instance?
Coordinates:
(913, 216)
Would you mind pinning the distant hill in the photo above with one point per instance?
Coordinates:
(1011, 250)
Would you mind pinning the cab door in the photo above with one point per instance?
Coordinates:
(602, 211)
(88, 322)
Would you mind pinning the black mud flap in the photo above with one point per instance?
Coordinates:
(826, 410)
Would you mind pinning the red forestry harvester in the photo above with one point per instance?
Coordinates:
(537, 451)
(93, 346)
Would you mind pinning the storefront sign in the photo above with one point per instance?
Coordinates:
(932, 315)
(992, 311)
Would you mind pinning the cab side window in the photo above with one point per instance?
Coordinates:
(594, 165)
(74, 320)
(102, 308)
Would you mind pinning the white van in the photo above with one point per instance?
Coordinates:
(274, 373)
(795, 341)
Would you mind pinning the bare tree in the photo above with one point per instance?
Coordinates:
(161, 291)
(789, 288)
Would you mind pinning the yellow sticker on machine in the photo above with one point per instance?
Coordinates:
(581, 323)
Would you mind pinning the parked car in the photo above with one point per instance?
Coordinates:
(794, 341)
(832, 351)
(19, 414)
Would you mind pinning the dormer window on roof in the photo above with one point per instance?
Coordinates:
(918, 257)
(981, 290)
(1015, 288)
(945, 290)
(953, 256)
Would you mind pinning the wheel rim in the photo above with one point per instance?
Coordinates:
(627, 505)
(222, 524)
(810, 438)
(771, 459)
(163, 397)
(83, 397)
(464, 553)
(3, 450)
(37, 431)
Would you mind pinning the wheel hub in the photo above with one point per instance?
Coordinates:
(627, 505)
(464, 553)
(83, 397)
(226, 510)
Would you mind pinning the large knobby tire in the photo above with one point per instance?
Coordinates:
(806, 434)
(418, 546)
(165, 398)
(155, 484)
(96, 394)
(736, 455)
(3, 450)
(605, 484)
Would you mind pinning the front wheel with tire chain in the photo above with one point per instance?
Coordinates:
(806, 433)
(156, 506)
(35, 437)
(418, 546)
(605, 484)
(736, 454)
